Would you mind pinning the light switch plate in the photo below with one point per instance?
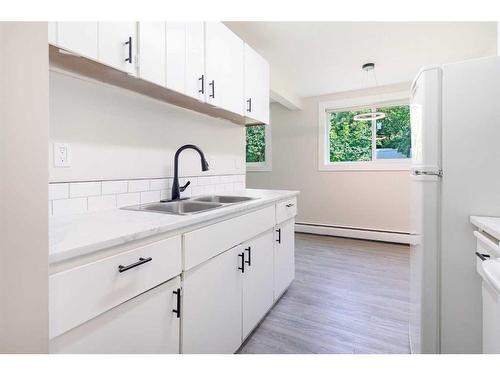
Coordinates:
(62, 155)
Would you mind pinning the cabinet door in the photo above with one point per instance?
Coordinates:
(257, 280)
(144, 324)
(256, 86)
(284, 257)
(78, 37)
(224, 67)
(195, 60)
(211, 305)
(52, 30)
(152, 65)
(117, 45)
(176, 55)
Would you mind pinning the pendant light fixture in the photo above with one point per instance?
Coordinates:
(370, 116)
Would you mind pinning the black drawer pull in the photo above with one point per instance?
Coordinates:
(212, 84)
(278, 240)
(249, 261)
(242, 268)
(290, 205)
(483, 257)
(177, 310)
(133, 265)
(202, 79)
(129, 42)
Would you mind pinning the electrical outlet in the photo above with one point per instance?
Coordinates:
(62, 155)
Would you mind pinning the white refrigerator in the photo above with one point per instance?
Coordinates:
(455, 173)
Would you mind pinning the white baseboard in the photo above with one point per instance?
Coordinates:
(364, 234)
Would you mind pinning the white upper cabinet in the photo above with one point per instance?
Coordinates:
(224, 67)
(78, 37)
(176, 56)
(117, 45)
(195, 60)
(152, 54)
(256, 86)
(52, 31)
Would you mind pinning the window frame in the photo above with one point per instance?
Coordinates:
(265, 166)
(372, 102)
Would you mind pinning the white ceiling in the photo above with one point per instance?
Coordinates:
(317, 58)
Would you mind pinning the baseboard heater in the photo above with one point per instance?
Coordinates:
(349, 232)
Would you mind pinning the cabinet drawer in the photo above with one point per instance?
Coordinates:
(202, 244)
(79, 294)
(286, 210)
(486, 244)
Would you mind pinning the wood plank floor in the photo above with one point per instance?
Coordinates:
(348, 296)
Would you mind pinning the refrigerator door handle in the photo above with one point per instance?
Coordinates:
(428, 173)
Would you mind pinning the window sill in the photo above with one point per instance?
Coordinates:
(258, 167)
(366, 166)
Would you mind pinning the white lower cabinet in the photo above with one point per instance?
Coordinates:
(257, 280)
(211, 305)
(284, 257)
(144, 324)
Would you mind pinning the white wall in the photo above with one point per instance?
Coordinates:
(360, 199)
(118, 134)
(24, 128)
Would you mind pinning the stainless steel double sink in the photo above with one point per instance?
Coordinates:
(190, 206)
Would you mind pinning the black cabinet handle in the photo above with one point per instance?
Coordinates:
(133, 265)
(129, 42)
(212, 84)
(483, 257)
(242, 268)
(249, 261)
(202, 79)
(279, 235)
(290, 205)
(178, 309)
(249, 108)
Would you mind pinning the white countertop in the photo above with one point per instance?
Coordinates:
(80, 234)
(489, 224)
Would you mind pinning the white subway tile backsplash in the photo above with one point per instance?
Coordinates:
(198, 190)
(69, 206)
(114, 187)
(239, 186)
(102, 202)
(76, 197)
(138, 185)
(150, 196)
(159, 184)
(84, 189)
(165, 194)
(128, 199)
(58, 191)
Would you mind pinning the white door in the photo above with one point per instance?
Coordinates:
(144, 324)
(152, 65)
(211, 305)
(118, 45)
(224, 67)
(176, 55)
(256, 86)
(78, 37)
(284, 257)
(257, 280)
(195, 60)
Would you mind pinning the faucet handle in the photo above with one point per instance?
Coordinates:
(182, 188)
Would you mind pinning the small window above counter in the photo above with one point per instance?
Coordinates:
(201, 66)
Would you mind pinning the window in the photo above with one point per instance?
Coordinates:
(383, 144)
(258, 148)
